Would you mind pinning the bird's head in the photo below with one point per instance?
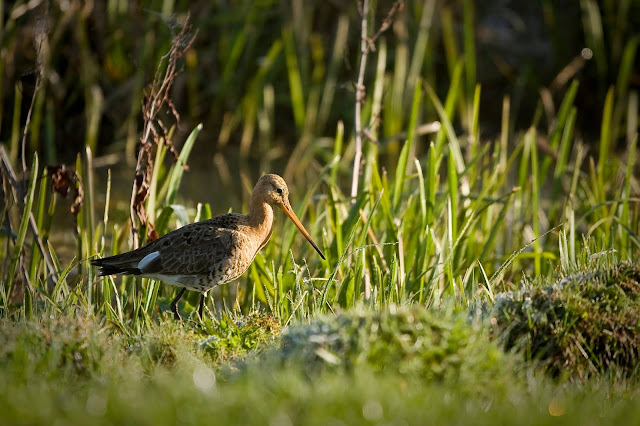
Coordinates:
(273, 190)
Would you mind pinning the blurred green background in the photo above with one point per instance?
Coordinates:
(266, 75)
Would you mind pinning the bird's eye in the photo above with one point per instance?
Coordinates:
(279, 190)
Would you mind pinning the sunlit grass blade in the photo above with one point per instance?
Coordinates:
(626, 66)
(403, 161)
(559, 127)
(452, 184)
(565, 145)
(474, 134)
(604, 164)
(337, 153)
(420, 47)
(174, 181)
(432, 183)
(61, 291)
(178, 168)
(153, 185)
(530, 139)
(445, 114)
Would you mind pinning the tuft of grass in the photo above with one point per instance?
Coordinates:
(56, 348)
(584, 325)
(233, 336)
(412, 342)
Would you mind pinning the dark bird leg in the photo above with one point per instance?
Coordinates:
(201, 307)
(174, 304)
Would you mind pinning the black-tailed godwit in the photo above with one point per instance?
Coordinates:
(205, 254)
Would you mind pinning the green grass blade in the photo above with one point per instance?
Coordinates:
(153, 186)
(295, 80)
(14, 141)
(605, 145)
(626, 66)
(403, 161)
(592, 24)
(40, 209)
(447, 129)
(420, 47)
(22, 228)
(452, 184)
(565, 145)
(337, 153)
(475, 133)
(625, 215)
(557, 131)
(331, 82)
(530, 139)
(469, 32)
(178, 167)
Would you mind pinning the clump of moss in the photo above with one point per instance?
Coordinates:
(585, 324)
(410, 341)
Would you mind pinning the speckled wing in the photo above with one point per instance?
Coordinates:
(197, 256)
(200, 249)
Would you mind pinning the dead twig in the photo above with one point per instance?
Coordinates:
(28, 121)
(367, 44)
(40, 35)
(7, 170)
(360, 95)
(155, 130)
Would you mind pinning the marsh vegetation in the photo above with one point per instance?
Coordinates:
(469, 171)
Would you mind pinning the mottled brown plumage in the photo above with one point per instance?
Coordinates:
(202, 255)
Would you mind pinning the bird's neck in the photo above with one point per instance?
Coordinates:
(261, 217)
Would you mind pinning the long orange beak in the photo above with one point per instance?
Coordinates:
(286, 208)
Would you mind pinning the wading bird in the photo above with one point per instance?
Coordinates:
(205, 254)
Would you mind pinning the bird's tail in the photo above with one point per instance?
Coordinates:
(117, 264)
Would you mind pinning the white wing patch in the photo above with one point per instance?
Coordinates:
(148, 260)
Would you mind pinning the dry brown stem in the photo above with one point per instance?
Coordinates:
(367, 44)
(155, 131)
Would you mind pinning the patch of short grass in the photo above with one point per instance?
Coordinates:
(162, 376)
(71, 347)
